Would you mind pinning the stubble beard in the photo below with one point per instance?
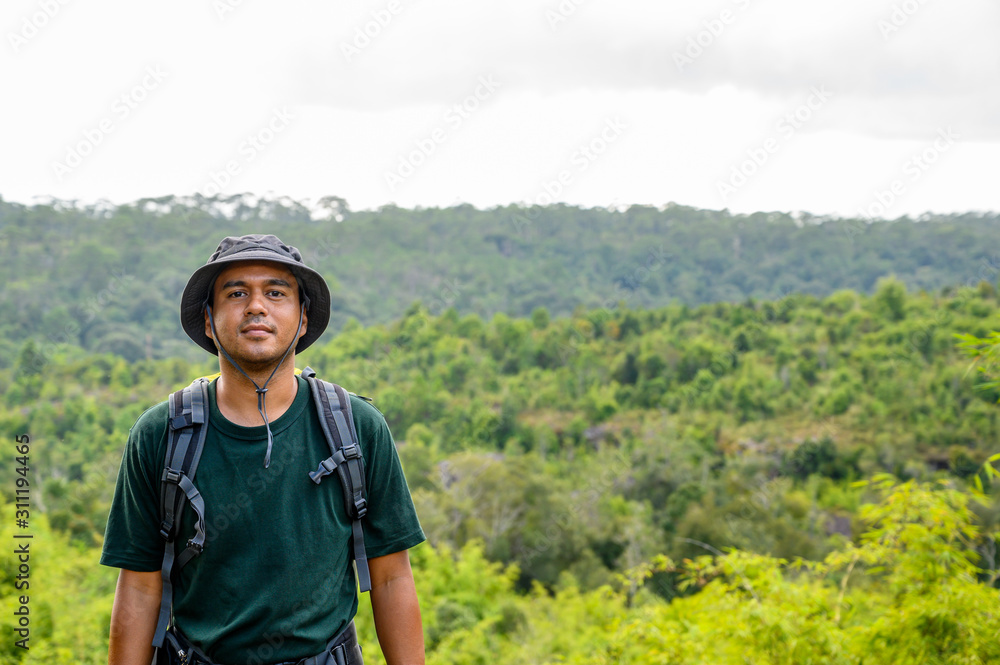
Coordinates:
(253, 359)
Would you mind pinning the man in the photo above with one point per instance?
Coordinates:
(274, 582)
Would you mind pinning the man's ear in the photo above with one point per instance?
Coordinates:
(305, 323)
(208, 324)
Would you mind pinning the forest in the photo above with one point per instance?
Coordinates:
(112, 275)
(606, 475)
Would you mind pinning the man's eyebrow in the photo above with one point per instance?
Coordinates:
(274, 281)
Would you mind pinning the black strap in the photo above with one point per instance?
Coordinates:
(188, 411)
(342, 649)
(333, 405)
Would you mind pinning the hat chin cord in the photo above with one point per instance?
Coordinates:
(261, 390)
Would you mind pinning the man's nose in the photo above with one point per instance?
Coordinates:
(256, 303)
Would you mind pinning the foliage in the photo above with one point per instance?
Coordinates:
(112, 275)
(600, 482)
(906, 592)
(69, 596)
(518, 433)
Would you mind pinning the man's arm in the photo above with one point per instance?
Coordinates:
(397, 614)
(133, 617)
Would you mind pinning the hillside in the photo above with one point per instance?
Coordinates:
(591, 475)
(782, 479)
(678, 416)
(108, 278)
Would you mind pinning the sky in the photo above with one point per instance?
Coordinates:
(874, 108)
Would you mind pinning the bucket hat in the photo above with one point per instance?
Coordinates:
(254, 247)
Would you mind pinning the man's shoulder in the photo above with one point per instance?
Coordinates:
(152, 422)
(155, 420)
(365, 412)
(148, 435)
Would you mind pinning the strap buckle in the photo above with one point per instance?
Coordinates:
(181, 421)
(361, 507)
(352, 451)
(326, 467)
(165, 530)
(171, 476)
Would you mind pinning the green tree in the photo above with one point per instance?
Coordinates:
(890, 298)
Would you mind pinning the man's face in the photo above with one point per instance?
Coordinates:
(256, 310)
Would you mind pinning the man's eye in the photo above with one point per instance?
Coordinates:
(277, 294)
(236, 294)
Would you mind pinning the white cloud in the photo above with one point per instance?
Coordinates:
(361, 103)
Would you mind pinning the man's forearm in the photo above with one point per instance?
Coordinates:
(397, 622)
(133, 618)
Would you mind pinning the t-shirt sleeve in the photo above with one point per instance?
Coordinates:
(132, 537)
(391, 524)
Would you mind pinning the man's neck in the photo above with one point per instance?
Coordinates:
(237, 396)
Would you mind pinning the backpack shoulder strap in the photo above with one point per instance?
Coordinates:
(188, 418)
(333, 405)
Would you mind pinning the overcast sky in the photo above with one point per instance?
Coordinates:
(875, 107)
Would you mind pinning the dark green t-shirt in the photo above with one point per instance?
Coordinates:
(275, 580)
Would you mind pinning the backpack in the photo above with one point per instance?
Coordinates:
(188, 417)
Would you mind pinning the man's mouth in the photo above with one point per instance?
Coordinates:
(257, 331)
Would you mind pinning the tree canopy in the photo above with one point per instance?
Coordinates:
(780, 477)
